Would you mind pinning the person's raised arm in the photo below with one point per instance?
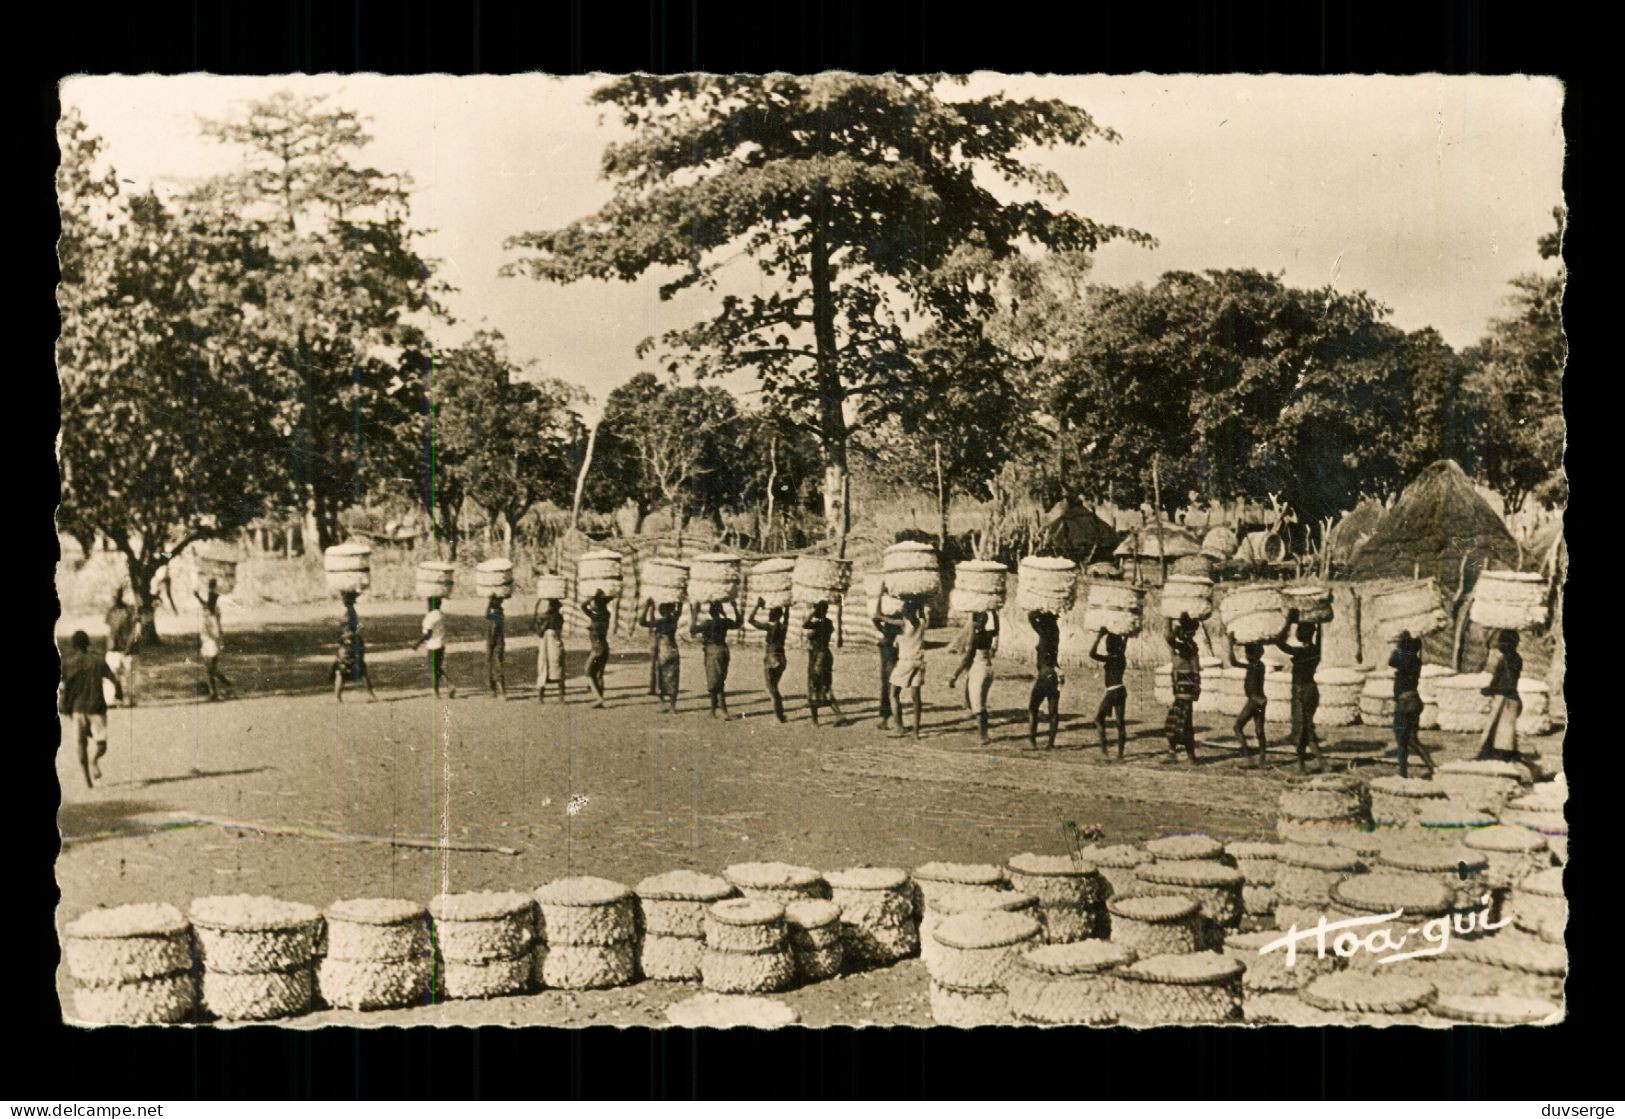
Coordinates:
(1094, 650)
(754, 611)
(647, 618)
(1235, 660)
(1320, 633)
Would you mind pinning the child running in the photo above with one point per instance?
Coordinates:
(84, 703)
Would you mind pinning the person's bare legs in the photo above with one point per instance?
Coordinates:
(338, 685)
(1054, 718)
(84, 754)
(897, 708)
(918, 704)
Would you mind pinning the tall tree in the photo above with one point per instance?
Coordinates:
(669, 445)
(848, 192)
(169, 425)
(339, 306)
(504, 434)
(1236, 384)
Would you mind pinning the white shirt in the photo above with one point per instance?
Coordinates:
(434, 628)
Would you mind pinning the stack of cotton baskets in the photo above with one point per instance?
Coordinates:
(970, 963)
(1463, 706)
(1067, 984)
(1538, 905)
(1377, 699)
(970, 899)
(1513, 853)
(814, 932)
(131, 964)
(877, 599)
(1267, 972)
(663, 580)
(1187, 594)
(551, 585)
(1313, 602)
(878, 919)
(1541, 812)
(672, 908)
(1257, 864)
(780, 882)
(1536, 700)
(1427, 690)
(1339, 696)
(599, 571)
(219, 567)
(378, 954)
(1253, 614)
(1278, 694)
(485, 943)
(1310, 810)
(819, 579)
(978, 587)
(1182, 987)
(1070, 894)
(589, 929)
(770, 581)
(1487, 785)
(1509, 600)
(745, 950)
(1215, 887)
(1461, 870)
(348, 567)
(435, 579)
(1304, 878)
(932, 880)
(713, 577)
(494, 578)
(1416, 900)
(1113, 606)
(1155, 925)
(910, 568)
(258, 955)
(1398, 801)
(1046, 583)
(1415, 608)
(1116, 864)
(1354, 995)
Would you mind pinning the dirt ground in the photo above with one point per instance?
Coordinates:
(621, 793)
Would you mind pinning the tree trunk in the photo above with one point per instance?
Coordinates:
(581, 479)
(141, 568)
(832, 431)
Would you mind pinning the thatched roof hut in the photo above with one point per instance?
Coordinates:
(1357, 526)
(1073, 530)
(1175, 541)
(1437, 520)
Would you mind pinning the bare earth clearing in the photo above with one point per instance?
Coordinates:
(621, 793)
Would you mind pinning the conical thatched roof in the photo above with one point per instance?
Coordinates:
(1437, 520)
(1175, 541)
(1073, 530)
(1347, 535)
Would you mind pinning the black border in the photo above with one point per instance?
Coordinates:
(49, 1062)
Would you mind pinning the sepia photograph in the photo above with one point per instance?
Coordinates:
(976, 549)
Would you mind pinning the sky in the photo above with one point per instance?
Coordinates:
(1427, 192)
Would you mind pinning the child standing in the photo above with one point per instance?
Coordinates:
(1114, 701)
(434, 637)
